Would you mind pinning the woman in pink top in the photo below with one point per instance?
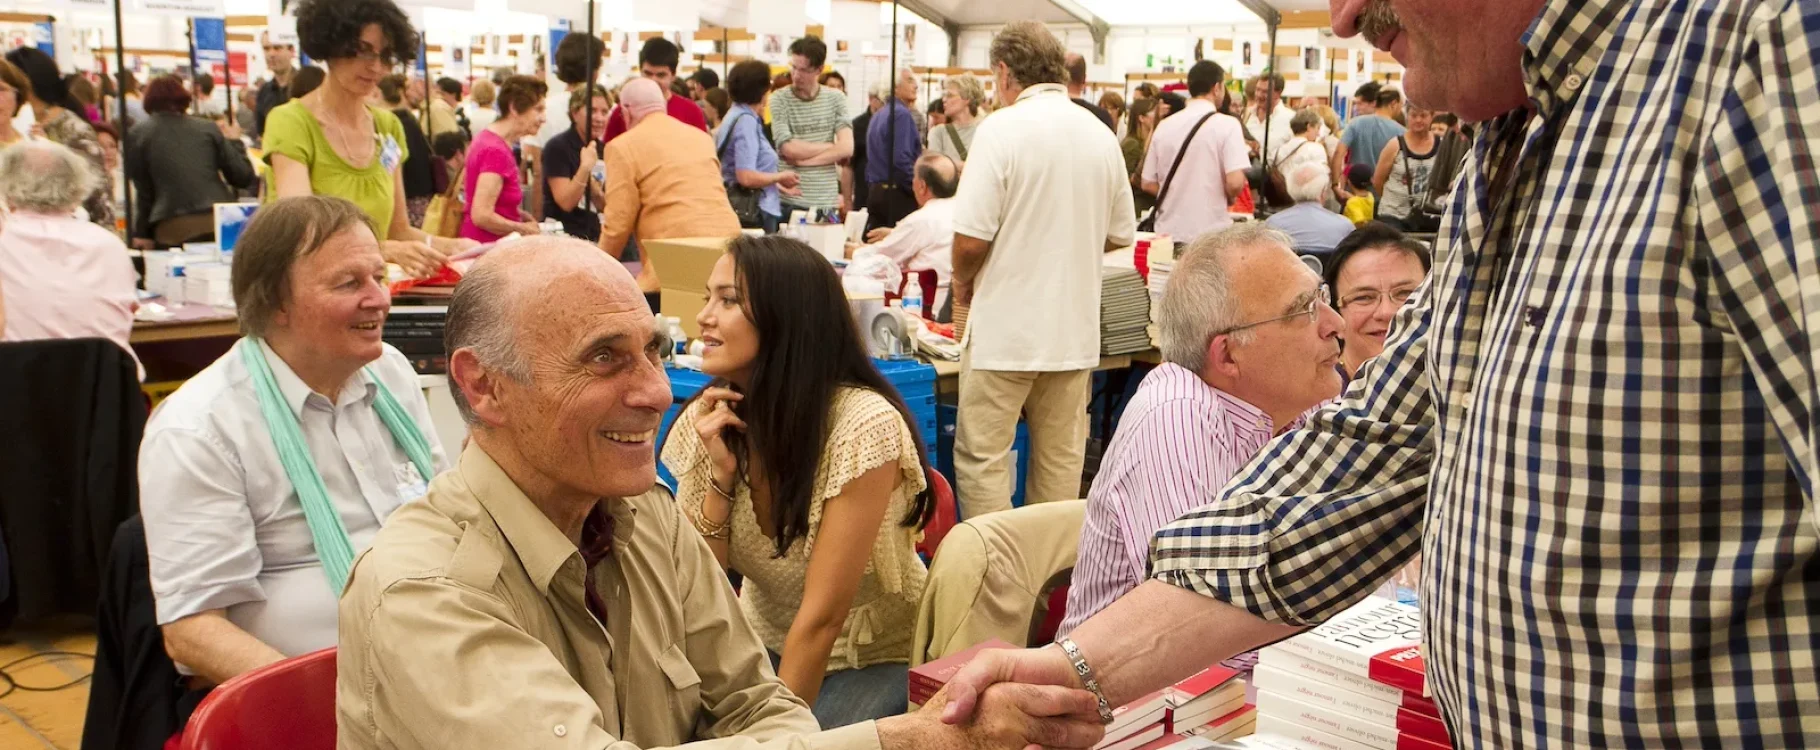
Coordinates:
(495, 196)
(63, 277)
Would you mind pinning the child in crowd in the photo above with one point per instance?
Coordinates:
(1362, 205)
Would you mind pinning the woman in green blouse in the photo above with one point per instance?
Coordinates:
(333, 142)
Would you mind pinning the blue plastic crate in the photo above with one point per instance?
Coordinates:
(944, 452)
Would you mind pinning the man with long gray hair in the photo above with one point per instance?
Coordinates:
(62, 277)
(1250, 344)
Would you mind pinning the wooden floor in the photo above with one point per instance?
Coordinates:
(35, 720)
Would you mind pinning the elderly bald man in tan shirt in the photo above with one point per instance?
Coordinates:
(547, 593)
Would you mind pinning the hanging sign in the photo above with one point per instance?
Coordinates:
(209, 40)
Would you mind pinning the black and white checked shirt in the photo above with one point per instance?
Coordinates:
(1599, 418)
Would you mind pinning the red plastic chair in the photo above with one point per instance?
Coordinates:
(929, 282)
(1052, 619)
(286, 706)
(947, 514)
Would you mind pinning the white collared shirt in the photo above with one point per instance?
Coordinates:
(1279, 128)
(922, 241)
(223, 526)
(1045, 183)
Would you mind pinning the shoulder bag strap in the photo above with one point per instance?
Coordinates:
(1183, 151)
(1409, 185)
(954, 136)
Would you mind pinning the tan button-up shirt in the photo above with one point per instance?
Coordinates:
(465, 626)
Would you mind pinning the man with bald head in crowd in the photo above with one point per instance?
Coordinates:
(924, 240)
(547, 591)
(663, 182)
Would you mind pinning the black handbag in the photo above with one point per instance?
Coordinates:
(1148, 223)
(743, 199)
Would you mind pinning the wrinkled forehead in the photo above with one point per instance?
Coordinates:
(560, 314)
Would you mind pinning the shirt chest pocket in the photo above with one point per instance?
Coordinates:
(684, 681)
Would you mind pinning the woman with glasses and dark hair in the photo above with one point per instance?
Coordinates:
(335, 141)
(1372, 273)
(799, 467)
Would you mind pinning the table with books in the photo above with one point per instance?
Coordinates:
(1353, 683)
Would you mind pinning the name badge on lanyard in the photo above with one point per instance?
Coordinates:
(389, 153)
(409, 481)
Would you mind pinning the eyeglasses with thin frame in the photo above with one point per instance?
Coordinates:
(367, 54)
(1312, 311)
(1370, 298)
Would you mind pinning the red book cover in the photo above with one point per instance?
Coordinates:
(1402, 669)
(1235, 724)
(1200, 683)
(1422, 725)
(1421, 705)
(937, 673)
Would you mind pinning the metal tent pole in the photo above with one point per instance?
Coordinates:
(120, 99)
(587, 91)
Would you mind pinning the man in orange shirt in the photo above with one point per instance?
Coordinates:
(663, 182)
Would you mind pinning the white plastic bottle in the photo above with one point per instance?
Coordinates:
(913, 298)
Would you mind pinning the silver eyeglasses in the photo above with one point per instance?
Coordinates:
(1323, 297)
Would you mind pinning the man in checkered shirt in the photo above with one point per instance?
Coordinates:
(1597, 422)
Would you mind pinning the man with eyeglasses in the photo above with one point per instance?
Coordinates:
(276, 90)
(809, 124)
(1250, 343)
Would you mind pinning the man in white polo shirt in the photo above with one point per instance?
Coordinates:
(1043, 196)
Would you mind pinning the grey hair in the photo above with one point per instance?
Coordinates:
(45, 177)
(880, 90)
(1199, 301)
(969, 88)
(1307, 183)
(482, 319)
(1303, 120)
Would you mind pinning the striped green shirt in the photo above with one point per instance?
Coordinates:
(816, 120)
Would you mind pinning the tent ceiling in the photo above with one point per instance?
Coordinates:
(979, 13)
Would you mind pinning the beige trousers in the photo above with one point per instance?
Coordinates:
(1053, 404)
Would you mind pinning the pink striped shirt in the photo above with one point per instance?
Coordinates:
(1178, 442)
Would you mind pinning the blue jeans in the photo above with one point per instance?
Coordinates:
(769, 221)
(851, 696)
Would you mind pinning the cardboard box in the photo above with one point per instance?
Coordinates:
(683, 266)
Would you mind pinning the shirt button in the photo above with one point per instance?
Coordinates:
(562, 731)
(1573, 82)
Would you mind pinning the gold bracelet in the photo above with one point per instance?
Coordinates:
(709, 529)
(722, 530)
(718, 491)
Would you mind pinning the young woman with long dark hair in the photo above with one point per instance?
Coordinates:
(799, 467)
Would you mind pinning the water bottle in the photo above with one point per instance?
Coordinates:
(679, 341)
(913, 298)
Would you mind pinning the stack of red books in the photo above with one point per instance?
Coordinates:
(1209, 705)
(928, 679)
(1354, 683)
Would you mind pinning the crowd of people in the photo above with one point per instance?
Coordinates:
(1390, 338)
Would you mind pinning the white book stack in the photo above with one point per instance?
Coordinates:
(1354, 683)
(1124, 312)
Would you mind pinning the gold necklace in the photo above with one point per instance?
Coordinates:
(340, 132)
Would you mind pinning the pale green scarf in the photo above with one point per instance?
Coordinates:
(326, 529)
